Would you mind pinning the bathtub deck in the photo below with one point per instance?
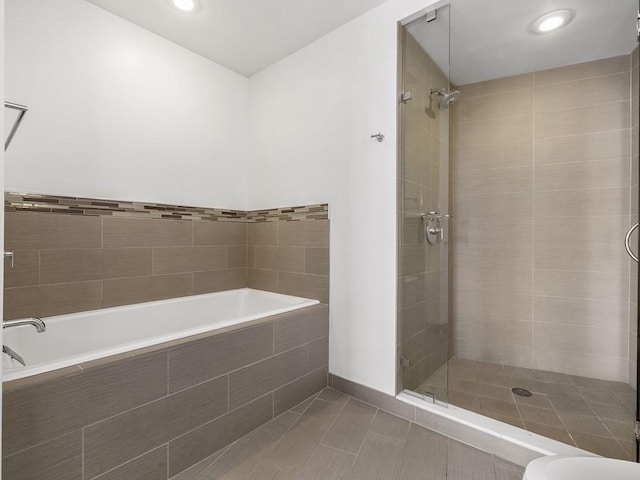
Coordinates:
(332, 436)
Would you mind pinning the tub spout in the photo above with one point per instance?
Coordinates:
(33, 321)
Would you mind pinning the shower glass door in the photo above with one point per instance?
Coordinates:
(424, 222)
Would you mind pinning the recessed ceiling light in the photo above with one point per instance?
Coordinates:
(552, 21)
(188, 6)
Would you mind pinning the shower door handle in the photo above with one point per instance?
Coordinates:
(627, 240)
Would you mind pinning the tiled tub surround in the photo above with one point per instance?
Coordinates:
(77, 338)
(78, 254)
(172, 405)
(542, 195)
(289, 257)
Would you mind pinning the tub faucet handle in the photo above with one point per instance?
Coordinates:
(9, 254)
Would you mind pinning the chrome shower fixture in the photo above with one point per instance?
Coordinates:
(446, 98)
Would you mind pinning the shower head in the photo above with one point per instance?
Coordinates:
(446, 98)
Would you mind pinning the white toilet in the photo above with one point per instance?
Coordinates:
(581, 468)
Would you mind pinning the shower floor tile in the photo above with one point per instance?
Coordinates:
(302, 444)
(592, 414)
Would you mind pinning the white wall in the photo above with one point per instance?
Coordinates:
(118, 112)
(311, 116)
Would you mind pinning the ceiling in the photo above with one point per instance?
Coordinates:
(242, 35)
(490, 38)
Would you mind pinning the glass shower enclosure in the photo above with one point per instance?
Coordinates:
(425, 224)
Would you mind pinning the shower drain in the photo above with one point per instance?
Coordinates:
(522, 392)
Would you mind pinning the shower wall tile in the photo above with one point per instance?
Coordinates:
(610, 173)
(494, 131)
(592, 202)
(499, 86)
(494, 180)
(498, 105)
(581, 120)
(600, 285)
(578, 339)
(503, 206)
(516, 152)
(583, 147)
(607, 66)
(541, 201)
(583, 92)
(578, 311)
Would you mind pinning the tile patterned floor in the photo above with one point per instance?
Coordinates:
(595, 415)
(332, 436)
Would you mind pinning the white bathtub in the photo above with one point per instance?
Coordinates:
(80, 337)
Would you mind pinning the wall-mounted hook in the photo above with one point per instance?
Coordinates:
(378, 136)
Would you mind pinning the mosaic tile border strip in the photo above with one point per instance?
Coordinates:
(287, 214)
(42, 203)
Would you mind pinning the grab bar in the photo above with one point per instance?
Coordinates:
(627, 240)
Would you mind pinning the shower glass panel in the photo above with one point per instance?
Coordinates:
(424, 222)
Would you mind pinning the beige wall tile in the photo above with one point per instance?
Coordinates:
(282, 259)
(494, 180)
(206, 282)
(495, 131)
(583, 92)
(25, 271)
(589, 119)
(219, 233)
(500, 154)
(608, 368)
(45, 230)
(304, 285)
(126, 291)
(604, 341)
(604, 286)
(500, 85)
(471, 306)
(262, 279)
(316, 261)
(509, 281)
(236, 256)
(46, 300)
(135, 232)
(262, 233)
(308, 234)
(569, 73)
(582, 202)
(76, 265)
(583, 148)
(502, 206)
(188, 259)
(503, 104)
(579, 311)
(610, 173)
